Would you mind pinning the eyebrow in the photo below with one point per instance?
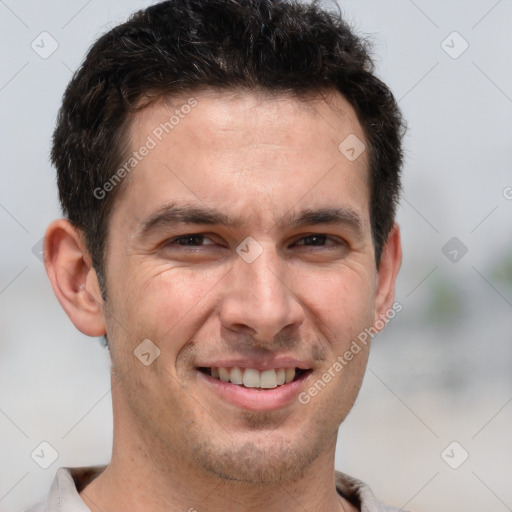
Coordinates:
(310, 217)
(171, 214)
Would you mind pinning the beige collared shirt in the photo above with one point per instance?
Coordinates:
(68, 482)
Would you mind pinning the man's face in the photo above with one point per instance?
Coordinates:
(293, 297)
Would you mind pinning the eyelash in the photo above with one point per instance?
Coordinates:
(182, 237)
(336, 240)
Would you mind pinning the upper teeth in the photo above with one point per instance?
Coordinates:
(252, 378)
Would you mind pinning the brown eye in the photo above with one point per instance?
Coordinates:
(189, 240)
(314, 240)
(319, 241)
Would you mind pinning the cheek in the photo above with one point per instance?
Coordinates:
(165, 305)
(343, 298)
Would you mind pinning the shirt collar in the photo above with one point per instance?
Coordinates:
(68, 482)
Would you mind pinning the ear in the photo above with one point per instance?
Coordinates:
(73, 278)
(389, 265)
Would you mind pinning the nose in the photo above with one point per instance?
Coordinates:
(259, 300)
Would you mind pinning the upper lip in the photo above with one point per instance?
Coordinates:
(261, 364)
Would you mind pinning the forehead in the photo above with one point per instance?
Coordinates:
(250, 153)
(252, 114)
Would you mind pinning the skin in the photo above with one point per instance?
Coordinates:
(254, 157)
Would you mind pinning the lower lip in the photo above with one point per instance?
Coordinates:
(256, 399)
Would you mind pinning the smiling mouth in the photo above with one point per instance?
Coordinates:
(252, 378)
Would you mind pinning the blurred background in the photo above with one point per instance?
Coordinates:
(431, 429)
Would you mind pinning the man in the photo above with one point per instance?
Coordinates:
(229, 172)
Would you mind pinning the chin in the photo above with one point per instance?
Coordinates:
(256, 462)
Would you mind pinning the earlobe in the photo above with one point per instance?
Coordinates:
(73, 279)
(389, 265)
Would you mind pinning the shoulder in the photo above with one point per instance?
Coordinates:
(360, 494)
(63, 495)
